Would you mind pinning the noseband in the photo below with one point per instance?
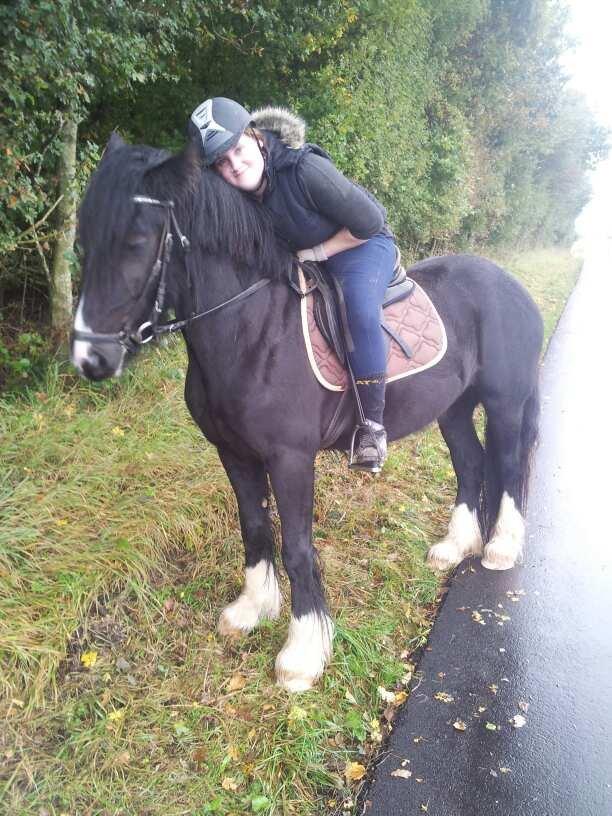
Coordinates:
(132, 339)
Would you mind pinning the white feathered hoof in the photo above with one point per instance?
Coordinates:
(239, 618)
(260, 599)
(444, 555)
(463, 539)
(505, 548)
(306, 652)
(501, 554)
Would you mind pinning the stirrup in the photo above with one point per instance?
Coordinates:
(371, 450)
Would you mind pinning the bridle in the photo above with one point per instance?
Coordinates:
(132, 339)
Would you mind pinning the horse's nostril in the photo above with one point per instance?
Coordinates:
(95, 366)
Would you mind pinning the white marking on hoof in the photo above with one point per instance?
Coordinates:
(506, 545)
(260, 598)
(306, 652)
(463, 539)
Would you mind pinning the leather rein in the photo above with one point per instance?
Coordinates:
(133, 339)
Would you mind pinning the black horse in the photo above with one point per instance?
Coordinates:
(250, 388)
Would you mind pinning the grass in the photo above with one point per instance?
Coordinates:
(119, 545)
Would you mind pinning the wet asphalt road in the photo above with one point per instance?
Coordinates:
(540, 644)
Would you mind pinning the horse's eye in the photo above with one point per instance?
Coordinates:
(137, 241)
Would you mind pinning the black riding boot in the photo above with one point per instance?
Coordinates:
(369, 443)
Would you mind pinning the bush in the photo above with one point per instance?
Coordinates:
(23, 359)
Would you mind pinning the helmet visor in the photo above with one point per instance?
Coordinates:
(218, 142)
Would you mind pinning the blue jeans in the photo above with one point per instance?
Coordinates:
(364, 273)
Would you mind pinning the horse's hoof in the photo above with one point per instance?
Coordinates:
(505, 548)
(238, 619)
(306, 652)
(242, 616)
(294, 684)
(443, 556)
(463, 539)
(501, 555)
(260, 599)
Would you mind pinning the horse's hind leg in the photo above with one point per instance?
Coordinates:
(308, 647)
(505, 480)
(464, 537)
(260, 597)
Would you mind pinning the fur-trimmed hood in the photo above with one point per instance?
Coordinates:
(287, 126)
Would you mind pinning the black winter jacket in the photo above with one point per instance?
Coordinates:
(309, 199)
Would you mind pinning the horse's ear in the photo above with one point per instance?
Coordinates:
(114, 143)
(181, 172)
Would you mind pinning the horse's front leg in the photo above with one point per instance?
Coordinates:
(260, 597)
(308, 647)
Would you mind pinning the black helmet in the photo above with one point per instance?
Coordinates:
(219, 124)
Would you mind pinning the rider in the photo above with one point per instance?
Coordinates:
(321, 216)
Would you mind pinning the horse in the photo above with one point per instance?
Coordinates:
(251, 391)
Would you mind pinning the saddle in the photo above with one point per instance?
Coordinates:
(329, 308)
(409, 318)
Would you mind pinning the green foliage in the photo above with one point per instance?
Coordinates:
(454, 113)
(67, 60)
(22, 360)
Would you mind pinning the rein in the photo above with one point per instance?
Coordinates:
(132, 339)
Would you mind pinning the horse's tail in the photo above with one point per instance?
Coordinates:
(493, 485)
(529, 439)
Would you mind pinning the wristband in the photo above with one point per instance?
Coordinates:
(317, 253)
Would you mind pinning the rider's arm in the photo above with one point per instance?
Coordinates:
(338, 198)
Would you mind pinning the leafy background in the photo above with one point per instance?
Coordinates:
(454, 112)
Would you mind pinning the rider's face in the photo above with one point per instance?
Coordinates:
(243, 165)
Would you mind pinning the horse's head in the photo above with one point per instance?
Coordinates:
(126, 225)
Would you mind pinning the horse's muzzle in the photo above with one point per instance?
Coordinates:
(97, 363)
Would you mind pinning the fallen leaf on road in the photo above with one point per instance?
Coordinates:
(443, 697)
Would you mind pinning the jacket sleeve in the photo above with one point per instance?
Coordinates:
(339, 199)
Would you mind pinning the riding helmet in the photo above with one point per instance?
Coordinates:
(218, 124)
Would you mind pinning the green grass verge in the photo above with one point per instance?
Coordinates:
(119, 546)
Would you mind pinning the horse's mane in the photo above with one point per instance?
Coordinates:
(225, 221)
(218, 219)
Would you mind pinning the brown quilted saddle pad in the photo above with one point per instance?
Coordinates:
(414, 319)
